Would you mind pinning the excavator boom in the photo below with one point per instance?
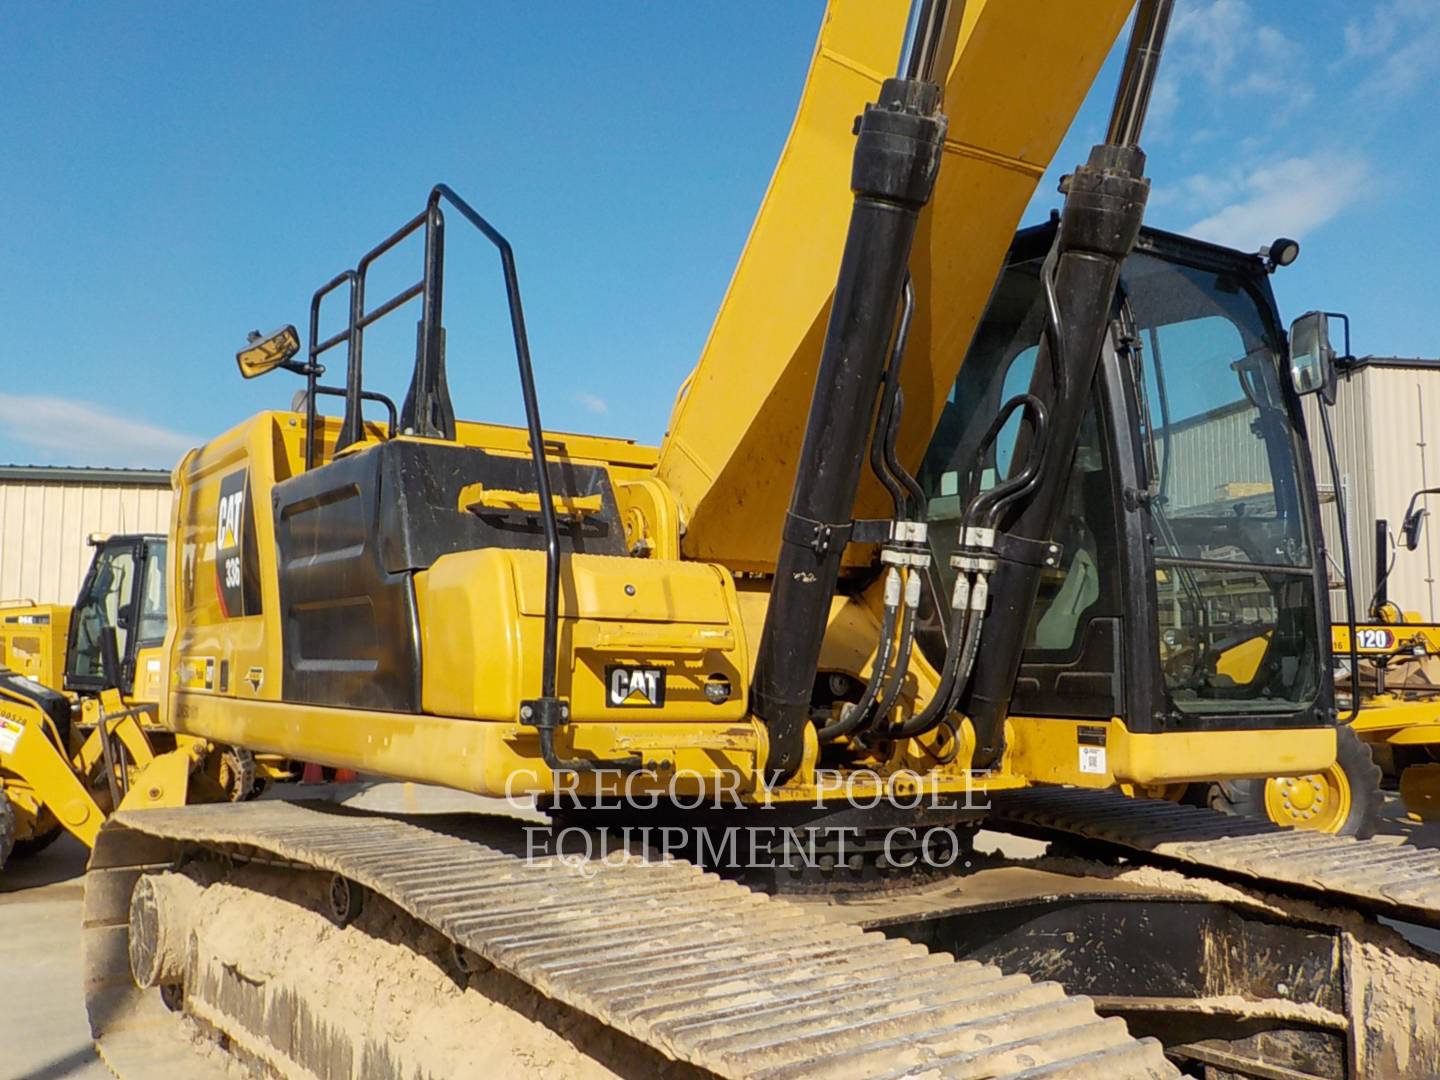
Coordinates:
(1020, 71)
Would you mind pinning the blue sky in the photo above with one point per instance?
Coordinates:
(175, 175)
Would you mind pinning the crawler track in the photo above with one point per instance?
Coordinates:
(700, 968)
(1381, 879)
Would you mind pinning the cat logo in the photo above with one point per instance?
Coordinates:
(634, 687)
(234, 529)
(227, 532)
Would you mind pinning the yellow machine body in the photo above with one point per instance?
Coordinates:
(32, 640)
(687, 598)
(480, 622)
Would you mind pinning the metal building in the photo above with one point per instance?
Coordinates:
(1385, 411)
(47, 513)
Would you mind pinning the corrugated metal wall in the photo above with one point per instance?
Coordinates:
(1387, 442)
(44, 525)
(1212, 451)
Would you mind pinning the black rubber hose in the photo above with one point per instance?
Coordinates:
(961, 653)
(852, 718)
(918, 511)
(1002, 495)
(902, 661)
(929, 716)
(967, 660)
(882, 463)
(943, 703)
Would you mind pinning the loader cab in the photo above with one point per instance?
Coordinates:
(125, 589)
(1189, 593)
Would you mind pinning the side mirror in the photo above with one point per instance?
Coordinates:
(264, 353)
(1410, 529)
(1312, 357)
(1413, 523)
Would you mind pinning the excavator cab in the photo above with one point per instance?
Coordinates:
(1187, 592)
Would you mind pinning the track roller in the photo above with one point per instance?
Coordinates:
(344, 900)
(161, 906)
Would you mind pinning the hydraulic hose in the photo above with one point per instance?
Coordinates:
(917, 510)
(970, 596)
(908, 618)
(858, 714)
(959, 629)
(882, 440)
(979, 596)
(957, 673)
(1002, 495)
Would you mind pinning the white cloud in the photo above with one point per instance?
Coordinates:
(1396, 47)
(1373, 36)
(1218, 50)
(1285, 198)
(592, 403)
(1209, 36)
(76, 428)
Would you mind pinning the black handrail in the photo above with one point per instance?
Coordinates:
(352, 428)
(313, 370)
(392, 414)
(532, 422)
(427, 412)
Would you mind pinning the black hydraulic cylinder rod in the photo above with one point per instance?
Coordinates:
(897, 156)
(1104, 208)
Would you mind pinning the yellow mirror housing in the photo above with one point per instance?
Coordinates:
(264, 353)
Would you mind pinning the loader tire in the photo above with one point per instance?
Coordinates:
(237, 774)
(33, 845)
(1343, 800)
(7, 828)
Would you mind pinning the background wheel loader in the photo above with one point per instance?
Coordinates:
(79, 694)
(1387, 676)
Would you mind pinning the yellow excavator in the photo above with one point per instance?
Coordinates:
(743, 639)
